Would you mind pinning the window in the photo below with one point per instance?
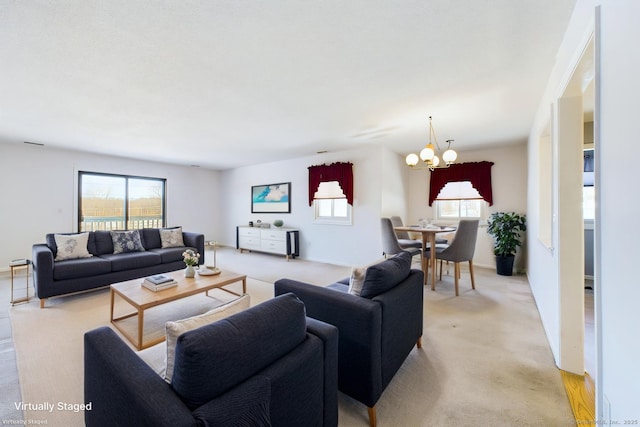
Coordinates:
(454, 210)
(119, 202)
(330, 205)
(457, 200)
(332, 211)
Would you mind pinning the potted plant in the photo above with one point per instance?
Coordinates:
(505, 228)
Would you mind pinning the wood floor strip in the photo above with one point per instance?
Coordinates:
(582, 396)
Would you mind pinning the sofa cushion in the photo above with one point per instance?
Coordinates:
(84, 267)
(103, 243)
(126, 241)
(245, 405)
(151, 238)
(177, 328)
(171, 254)
(215, 357)
(132, 260)
(385, 275)
(72, 246)
(171, 237)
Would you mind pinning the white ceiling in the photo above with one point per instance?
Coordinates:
(222, 84)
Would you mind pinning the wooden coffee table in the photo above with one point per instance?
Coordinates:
(142, 298)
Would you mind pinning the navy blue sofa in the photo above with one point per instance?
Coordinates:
(267, 365)
(53, 278)
(377, 330)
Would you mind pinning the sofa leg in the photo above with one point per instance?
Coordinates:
(419, 343)
(372, 416)
(42, 300)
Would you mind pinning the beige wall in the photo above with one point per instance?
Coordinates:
(509, 183)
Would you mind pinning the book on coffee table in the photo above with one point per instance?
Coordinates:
(155, 288)
(159, 279)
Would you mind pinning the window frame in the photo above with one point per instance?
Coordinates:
(332, 220)
(126, 216)
(484, 209)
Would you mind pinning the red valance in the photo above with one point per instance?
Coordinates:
(479, 173)
(341, 172)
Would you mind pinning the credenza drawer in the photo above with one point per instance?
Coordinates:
(249, 242)
(249, 231)
(277, 246)
(273, 235)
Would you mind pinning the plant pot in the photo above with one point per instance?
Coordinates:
(504, 264)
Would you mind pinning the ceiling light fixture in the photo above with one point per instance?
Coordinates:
(430, 156)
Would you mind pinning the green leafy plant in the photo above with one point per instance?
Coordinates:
(505, 228)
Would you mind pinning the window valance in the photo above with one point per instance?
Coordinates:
(479, 173)
(341, 172)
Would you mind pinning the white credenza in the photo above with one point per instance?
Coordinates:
(282, 241)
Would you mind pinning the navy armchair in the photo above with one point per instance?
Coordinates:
(377, 330)
(267, 365)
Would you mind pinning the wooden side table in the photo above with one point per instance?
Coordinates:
(16, 266)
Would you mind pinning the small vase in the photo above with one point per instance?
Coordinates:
(190, 271)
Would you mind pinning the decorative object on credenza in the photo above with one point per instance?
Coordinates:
(429, 155)
(191, 259)
(505, 228)
(271, 198)
(278, 223)
(206, 270)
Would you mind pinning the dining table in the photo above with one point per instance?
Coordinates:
(428, 239)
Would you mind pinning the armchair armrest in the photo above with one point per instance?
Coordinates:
(359, 323)
(329, 336)
(123, 390)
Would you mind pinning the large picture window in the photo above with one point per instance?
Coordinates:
(119, 202)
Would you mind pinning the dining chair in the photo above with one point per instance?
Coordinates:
(390, 243)
(461, 249)
(404, 240)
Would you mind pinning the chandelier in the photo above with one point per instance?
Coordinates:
(430, 156)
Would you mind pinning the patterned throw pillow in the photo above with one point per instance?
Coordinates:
(72, 246)
(126, 241)
(171, 237)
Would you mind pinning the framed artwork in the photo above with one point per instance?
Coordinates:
(271, 198)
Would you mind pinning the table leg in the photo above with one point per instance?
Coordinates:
(432, 239)
(244, 286)
(424, 263)
(112, 302)
(140, 327)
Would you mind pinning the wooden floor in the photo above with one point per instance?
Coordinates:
(582, 396)
(581, 388)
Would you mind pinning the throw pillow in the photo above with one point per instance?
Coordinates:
(357, 280)
(177, 328)
(72, 246)
(171, 237)
(385, 275)
(126, 241)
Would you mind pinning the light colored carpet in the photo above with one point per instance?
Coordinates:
(484, 361)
